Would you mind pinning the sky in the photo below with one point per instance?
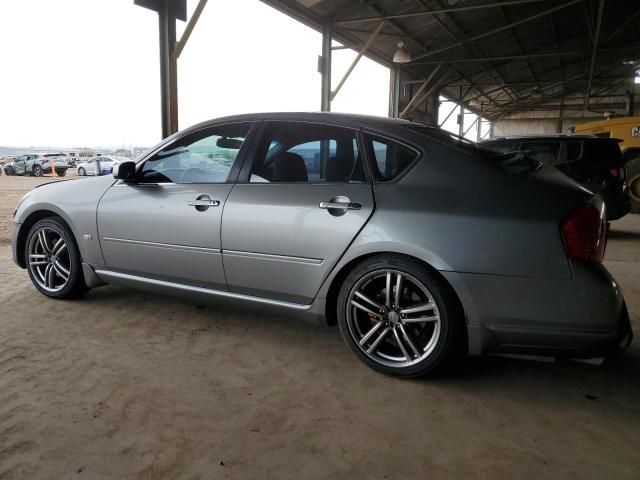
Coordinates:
(77, 73)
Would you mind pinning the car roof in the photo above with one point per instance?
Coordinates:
(338, 119)
(552, 138)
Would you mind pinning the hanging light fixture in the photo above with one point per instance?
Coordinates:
(401, 55)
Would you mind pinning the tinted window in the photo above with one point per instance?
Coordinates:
(502, 147)
(203, 157)
(302, 152)
(390, 158)
(574, 150)
(545, 152)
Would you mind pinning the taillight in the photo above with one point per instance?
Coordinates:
(618, 173)
(585, 234)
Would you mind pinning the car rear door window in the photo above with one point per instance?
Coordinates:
(296, 152)
(205, 156)
(390, 158)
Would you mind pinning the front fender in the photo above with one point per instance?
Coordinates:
(73, 201)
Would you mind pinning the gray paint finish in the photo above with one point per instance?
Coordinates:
(492, 235)
(286, 220)
(151, 230)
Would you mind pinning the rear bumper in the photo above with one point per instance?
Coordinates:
(584, 316)
(617, 205)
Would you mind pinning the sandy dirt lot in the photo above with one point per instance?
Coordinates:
(129, 385)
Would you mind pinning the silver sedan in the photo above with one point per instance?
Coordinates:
(421, 246)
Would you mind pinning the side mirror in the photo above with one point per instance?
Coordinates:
(125, 171)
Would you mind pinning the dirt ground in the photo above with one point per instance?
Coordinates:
(129, 385)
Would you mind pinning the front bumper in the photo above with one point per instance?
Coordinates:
(15, 232)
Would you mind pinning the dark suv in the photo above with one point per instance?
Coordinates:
(592, 161)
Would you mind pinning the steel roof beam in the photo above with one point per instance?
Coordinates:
(433, 12)
(498, 30)
(364, 49)
(506, 57)
(461, 34)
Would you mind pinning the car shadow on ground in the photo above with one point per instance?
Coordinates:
(616, 381)
(624, 235)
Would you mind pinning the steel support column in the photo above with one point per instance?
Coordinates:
(461, 115)
(394, 91)
(167, 29)
(325, 68)
(596, 39)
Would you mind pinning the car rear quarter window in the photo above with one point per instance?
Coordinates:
(390, 158)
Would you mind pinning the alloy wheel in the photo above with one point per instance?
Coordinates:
(49, 259)
(393, 318)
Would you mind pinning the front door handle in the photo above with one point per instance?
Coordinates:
(203, 202)
(341, 205)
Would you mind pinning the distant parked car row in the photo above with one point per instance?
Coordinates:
(594, 162)
(99, 165)
(37, 164)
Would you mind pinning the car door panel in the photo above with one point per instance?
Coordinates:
(152, 230)
(20, 166)
(279, 243)
(166, 225)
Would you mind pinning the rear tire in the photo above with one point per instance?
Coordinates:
(633, 181)
(62, 173)
(37, 171)
(53, 260)
(413, 333)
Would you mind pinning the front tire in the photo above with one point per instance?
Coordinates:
(62, 173)
(399, 318)
(53, 260)
(81, 172)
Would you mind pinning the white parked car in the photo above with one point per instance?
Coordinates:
(95, 165)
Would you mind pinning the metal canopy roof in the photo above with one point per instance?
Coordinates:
(504, 56)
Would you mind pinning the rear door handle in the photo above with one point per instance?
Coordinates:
(341, 205)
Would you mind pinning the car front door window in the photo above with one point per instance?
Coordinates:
(198, 158)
